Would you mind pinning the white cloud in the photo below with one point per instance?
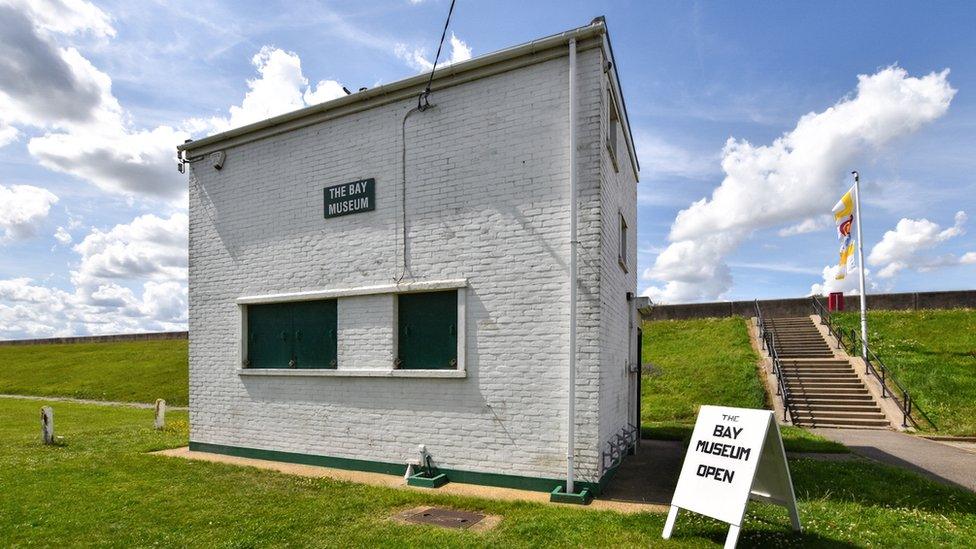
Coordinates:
(797, 176)
(57, 89)
(325, 90)
(808, 225)
(416, 57)
(29, 310)
(459, 50)
(148, 248)
(904, 247)
(119, 161)
(968, 258)
(660, 159)
(149, 253)
(22, 210)
(8, 134)
(66, 16)
(281, 87)
(62, 236)
(849, 285)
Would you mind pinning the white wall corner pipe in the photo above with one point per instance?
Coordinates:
(571, 393)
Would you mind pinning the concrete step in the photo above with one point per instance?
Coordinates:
(824, 422)
(822, 385)
(810, 383)
(834, 426)
(855, 407)
(844, 361)
(839, 414)
(838, 369)
(819, 374)
(814, 350)
(805, 350)
(822, 396)
(826, 392)
(816, 378)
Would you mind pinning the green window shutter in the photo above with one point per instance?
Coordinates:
(315, 325)
(269, 335)
(427, 338)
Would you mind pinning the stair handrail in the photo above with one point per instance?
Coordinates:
(768, 339)
(825, 320)
(874, 366)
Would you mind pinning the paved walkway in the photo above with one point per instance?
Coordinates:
(938, 461)
(395, 481)
(143, 405)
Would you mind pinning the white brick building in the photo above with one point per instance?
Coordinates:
(439, 314)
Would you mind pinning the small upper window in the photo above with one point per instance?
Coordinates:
(622, 252)
(612, 128)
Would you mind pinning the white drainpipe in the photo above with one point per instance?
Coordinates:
(571, 405)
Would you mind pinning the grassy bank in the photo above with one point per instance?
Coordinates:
(704, 361)
(130, 371)
(933, 354)
(101, 488)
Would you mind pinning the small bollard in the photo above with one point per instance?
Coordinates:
(47, 424)
(160, 414)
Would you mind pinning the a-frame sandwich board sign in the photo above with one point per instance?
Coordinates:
(735, 454)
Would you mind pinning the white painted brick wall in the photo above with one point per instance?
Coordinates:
(487, 200)
(618, 329)
(366, 326)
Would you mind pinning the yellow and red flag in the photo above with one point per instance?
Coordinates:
(844, 219)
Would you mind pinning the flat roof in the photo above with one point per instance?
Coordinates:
(445, 76)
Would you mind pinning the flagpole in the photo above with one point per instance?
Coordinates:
(860, 262)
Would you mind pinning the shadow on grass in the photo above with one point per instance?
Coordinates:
(871, 484)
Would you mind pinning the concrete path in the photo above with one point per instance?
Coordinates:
(940, 462)
(395, 481)
(143, 405)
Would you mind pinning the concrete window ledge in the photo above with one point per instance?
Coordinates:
(274, 372)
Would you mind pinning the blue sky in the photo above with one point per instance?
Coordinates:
(92, 209)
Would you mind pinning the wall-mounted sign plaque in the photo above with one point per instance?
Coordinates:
(349, 198)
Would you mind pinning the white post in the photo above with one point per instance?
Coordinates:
(860, 263)
(571, 394)
(732, 538)
(47, 424)
(160, 414)
(669, 522)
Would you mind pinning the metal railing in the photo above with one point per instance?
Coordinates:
(768, 340)
(890, 387)
(825, 320)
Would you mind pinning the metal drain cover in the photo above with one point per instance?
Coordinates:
(445, 518)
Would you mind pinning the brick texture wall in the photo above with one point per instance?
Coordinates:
(486, 200)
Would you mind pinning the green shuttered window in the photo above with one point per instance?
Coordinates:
(300, 334)
(427, 337)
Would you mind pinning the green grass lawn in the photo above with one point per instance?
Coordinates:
(933, 355)
(131, 371)
(99, 488)
(705, 361)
